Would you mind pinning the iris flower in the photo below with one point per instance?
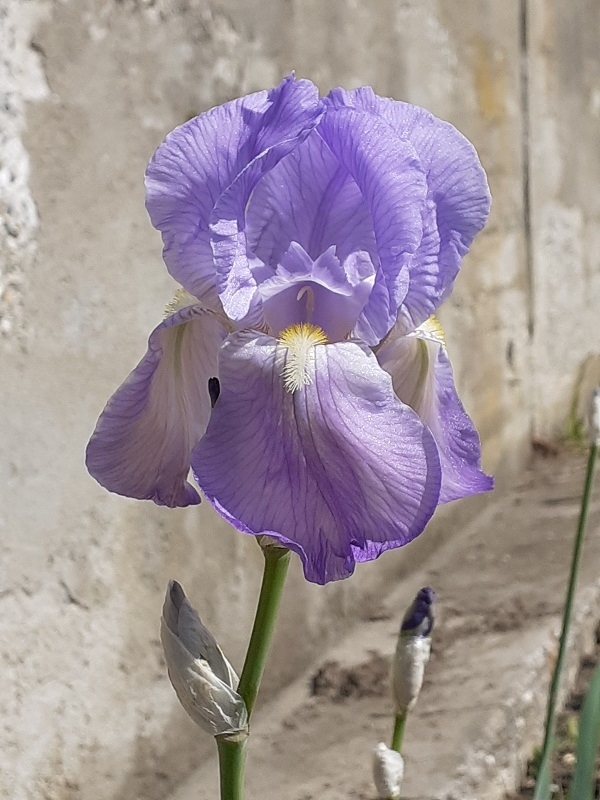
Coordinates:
(299, 371)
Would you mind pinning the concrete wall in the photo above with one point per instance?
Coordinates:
(88, 90)
(564, 112)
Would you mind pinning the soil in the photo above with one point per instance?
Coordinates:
(338, 683)
(567, 728)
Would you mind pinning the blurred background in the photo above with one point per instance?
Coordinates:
(88, 89)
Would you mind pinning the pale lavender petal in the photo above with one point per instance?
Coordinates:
(236, 283)
(391, 180)
(422, 378)
(142, 443)
(312, 199)
(325, 293)
(338, 471)
(200, 159)
(457, 190)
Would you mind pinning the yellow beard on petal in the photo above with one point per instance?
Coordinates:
(181, 300)
(433, 327)
(434, 332)
(300, 340)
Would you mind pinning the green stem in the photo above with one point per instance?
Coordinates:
(232, 758)
(398, 734)
(276, 565)
(568, 609)
(232, 751)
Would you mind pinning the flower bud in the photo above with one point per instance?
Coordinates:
(203, 679)
(388, 771)
(412, 651)
(595, 418)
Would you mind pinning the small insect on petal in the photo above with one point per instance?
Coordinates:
(214, 390)
(300, 340)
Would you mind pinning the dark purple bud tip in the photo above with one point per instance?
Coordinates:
(176, 593)
(172, 605)
(418, 620)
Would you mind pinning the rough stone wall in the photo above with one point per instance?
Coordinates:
(21, 80)
(88, 90)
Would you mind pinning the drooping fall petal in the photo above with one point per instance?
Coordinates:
(422, 377)
(336, 470)
(142, 443)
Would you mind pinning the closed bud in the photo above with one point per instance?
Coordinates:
(595, 418)
(412, 651)
(388, 772)
(203, 679)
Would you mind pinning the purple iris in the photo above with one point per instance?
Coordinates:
(300, 371)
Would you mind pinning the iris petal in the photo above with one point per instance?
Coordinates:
(391, 180)
(200, 159)
(142, 442)
(309, 198)
(338, 471)
(236, 283)
(458, 195)
(422, 377)
(325, 293)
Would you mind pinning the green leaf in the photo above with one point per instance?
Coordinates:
(542, 783)
(582, 787)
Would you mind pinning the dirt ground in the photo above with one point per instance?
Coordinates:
(500, 587)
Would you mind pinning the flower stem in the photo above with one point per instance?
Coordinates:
(276, 565)
(568, 608)
(232, 751)
(398, 734)
(232, 758)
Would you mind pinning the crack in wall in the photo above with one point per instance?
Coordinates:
(526, 159)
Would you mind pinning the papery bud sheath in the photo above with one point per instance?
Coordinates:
(203, 679)
(388, 772)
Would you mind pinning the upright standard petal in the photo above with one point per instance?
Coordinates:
(142, 443)
(309, 198)
(236, 283)
(457, 190)
(388, 173)
(337, 471)
(422, 378)
(202, 157)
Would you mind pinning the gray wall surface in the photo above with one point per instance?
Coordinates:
(88, 89)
